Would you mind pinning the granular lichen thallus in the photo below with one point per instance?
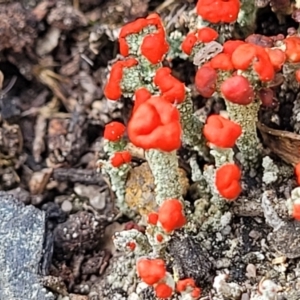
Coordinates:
(163, 120)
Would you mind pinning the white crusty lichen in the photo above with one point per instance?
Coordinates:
(158, 245)
(118, 175)
(210, 212)
(271, 216)
(118, 178)
(123, 239)
(197, 177)
(164, 167)
(295, 197)
(222, 155)
(248, 143)
(268, 290)
(228, 290)
(271, 170)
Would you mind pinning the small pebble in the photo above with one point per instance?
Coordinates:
(66, 206)
(251, 271)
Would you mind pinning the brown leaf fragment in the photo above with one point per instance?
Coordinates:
(39, 180)
(285, 144)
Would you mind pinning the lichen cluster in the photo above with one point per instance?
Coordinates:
(238, 73)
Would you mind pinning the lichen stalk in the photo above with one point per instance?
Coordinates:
(164, 167)
(192, 127)
(222, 155)
(118, 178)
(248, 143)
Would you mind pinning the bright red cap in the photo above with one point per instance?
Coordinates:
(221, 61)
(162, 290)
(227, 181)
(230, 45)
(112, 89)
(171, 215)
(152, 218)
(237, 89)
(171, 88)
(188, 43)
(205, 81)
(141, 95)
(113, 131)
(277, 58)
(221, 132)
(196, 293)
(247, 55)
(120, 158)
(151, 270)
(206, 35)
(155, 124)
(184, 283)
(297, 173)
(216, 11)
(130, 28)
(154, 46)
(297, 75)
(292, 50)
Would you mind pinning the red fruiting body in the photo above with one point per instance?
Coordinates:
(135, 27)
(263, 65)
(159, 238)
(182, 285)
(155, 124)
(297, 173)
(113, 131)
(266, 96)
(154, 46)
(205, 81)
(171, 215)
(237, 89)
(151, 270)
(203, 35)
(297, 75)
(131, 245)
(112, 89)
(230, 46)
(247, 55)
(130, 28)
(243, 56)
(221, 61)
(221, 132)
(296, 210)
(120, 158)
(141, 95)
(131, 225)
(292, 50)
(152, 218)
(187, 285)
(216, 11)
(162, 291)
(206, 35)
(188, 43)
(196, 293)
(227, 181)
(277, 58)
(171, 88)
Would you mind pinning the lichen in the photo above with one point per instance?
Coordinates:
(248, 143)
(164, 167)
